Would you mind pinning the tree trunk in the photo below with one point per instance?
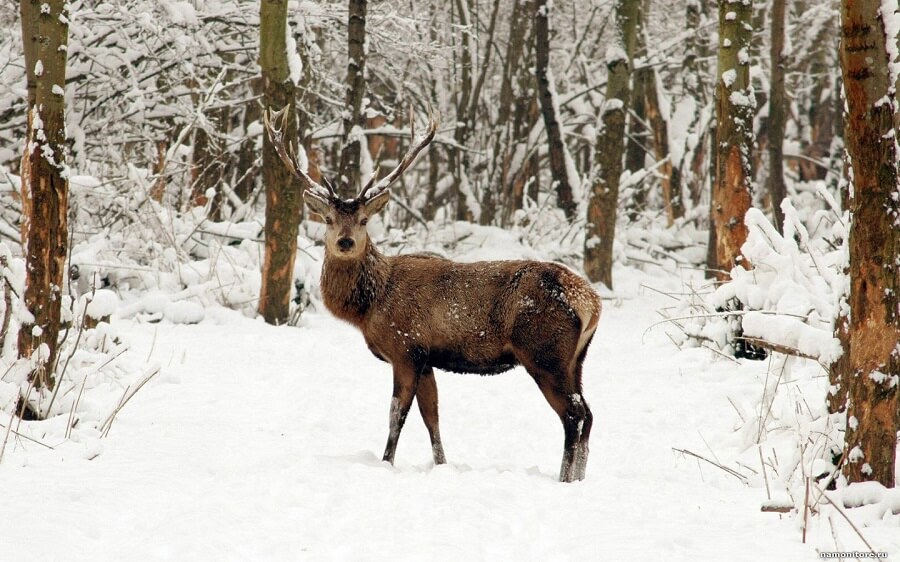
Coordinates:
(735, 105)
(638, 140)
(526, 114)
(45, 184)
(826, 105)
(873, 373)
(248, 166)
(494, 202)
(647, 83)
(550, 111)
(712, 264)
(283, 191)
(696, 50)
(777, 190)
(670, 182)
(601, 216)
(349, 181)
(839, 370)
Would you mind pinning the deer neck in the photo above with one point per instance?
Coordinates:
(350, 287)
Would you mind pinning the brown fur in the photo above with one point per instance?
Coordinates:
(420, 312)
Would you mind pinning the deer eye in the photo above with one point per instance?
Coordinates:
(365, 221)
(329, 220)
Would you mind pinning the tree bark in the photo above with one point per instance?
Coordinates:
(349, 181)
(283, 191)
(826, 105)
(550, 112)
(735, 104)
(494, 202)
(670, 182)
(873, 376)
(526, 113)
(696, 49)
(248, 167)
(777, 190)
(601, 215)
(45, 184)
(638, 140)
(646, 106)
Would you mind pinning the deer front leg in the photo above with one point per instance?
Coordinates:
(427, 398)
(404, 391)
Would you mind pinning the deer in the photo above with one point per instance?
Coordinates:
(420, 312)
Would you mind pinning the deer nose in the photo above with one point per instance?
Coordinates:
(345, 244)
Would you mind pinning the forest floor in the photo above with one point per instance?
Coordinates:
(263, 443)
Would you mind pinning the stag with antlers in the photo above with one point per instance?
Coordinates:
(421, 312)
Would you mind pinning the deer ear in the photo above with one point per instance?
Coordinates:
(316, 203)
(377, 203)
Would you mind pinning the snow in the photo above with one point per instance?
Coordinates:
(741, 98)
(261, 442)
(103, 303)
(890, 16)
(615, 53)
(729, 76)
(180, 13)
(264, 443)
(295, 63)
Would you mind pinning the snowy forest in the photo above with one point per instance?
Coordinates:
(182, 375)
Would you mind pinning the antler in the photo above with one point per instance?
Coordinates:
(288, 155)
(369, 190)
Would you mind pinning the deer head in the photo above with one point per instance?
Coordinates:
(345, 219)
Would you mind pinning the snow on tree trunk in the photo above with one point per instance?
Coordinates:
(283, 191)
(601, 214)
(735, 106)
(349, 183)
(45, 183)
(559, 159)
(868, 64)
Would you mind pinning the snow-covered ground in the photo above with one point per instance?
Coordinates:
(264, 443)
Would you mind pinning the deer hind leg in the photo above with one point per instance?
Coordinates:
(404, 391)
(576, 420)
(557, 371)
(427, 398)
(581, 449)
(566, 400)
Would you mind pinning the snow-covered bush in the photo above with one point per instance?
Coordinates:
(788, 303)
(789, 298)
